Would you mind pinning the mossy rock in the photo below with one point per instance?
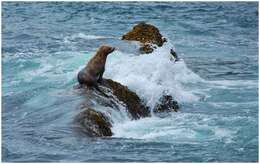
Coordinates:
(147, 35)
(94, 123)
(130, 99)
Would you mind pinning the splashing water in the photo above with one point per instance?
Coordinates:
(153, 75)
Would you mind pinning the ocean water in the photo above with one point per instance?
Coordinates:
(45, 44)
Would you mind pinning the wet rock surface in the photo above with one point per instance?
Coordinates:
(167, 104)
(148, 35)
(93, 123)
(130, 99)
(112, 95)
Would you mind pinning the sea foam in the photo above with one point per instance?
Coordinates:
(152, 75)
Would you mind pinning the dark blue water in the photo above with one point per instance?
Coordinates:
(45, 44)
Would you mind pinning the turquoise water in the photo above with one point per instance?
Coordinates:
(45, 44)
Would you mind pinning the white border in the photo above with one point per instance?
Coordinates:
(124, 1)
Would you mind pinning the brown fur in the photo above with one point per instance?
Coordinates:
(93, 72)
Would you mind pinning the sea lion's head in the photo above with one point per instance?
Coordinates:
(105, 49)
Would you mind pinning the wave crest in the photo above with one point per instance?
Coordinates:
(153, 75)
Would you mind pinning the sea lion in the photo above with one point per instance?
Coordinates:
(92, 74)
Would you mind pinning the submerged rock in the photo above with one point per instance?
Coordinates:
(167, 104)
(94, 123)
(147, 34)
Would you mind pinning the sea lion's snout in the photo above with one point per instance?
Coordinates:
(112, 49)
(107, 49)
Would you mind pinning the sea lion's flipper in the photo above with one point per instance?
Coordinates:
(81, 77)
(100, 78)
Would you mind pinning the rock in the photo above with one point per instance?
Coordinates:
(114, 97)
(93, 123)
(98, 124)
(167, 104)
(130, 99)
(147, 34)
(146, 49)
(174, 55)
(149, 38)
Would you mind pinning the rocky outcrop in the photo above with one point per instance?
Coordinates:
(111, 95)
(166, 104)
(148, 35)
(93, 123)
(149, 38)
